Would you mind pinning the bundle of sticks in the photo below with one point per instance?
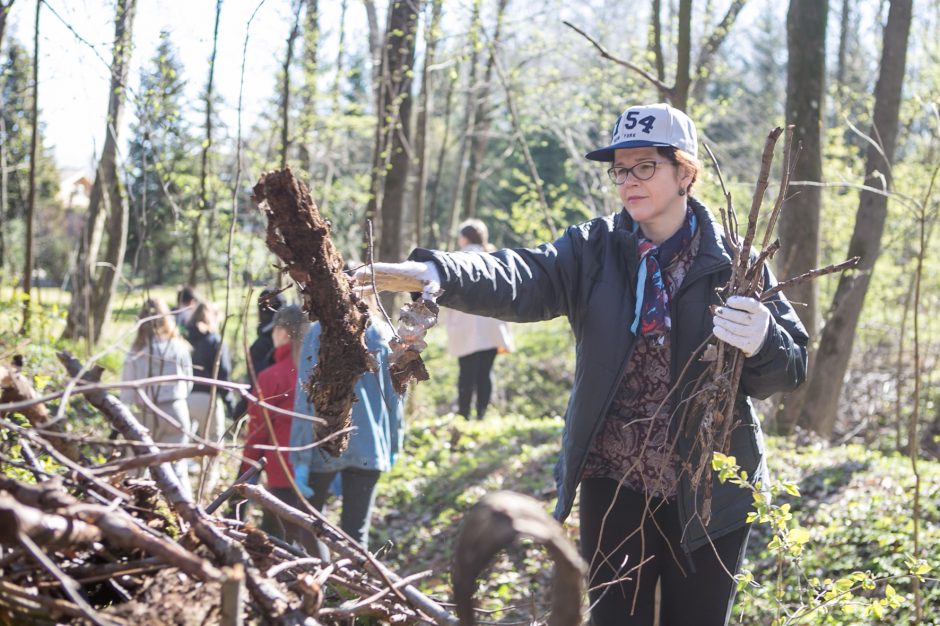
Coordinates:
(711, 415)
(91, 543)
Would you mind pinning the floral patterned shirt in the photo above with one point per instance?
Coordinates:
(633, 444)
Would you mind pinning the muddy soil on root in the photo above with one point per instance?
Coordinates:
(300, 237)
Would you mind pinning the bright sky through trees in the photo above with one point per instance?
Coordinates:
(74, 80)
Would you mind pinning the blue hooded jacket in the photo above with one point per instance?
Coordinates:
(376, 414)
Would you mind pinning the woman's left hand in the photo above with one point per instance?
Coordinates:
(743, 323)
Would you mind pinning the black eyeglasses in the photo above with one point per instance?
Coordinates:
(641, 171)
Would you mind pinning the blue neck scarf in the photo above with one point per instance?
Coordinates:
(652, 299)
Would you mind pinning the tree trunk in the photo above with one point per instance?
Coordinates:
(380, 161)
(400, 41)
(835, 345)
(799, 219)
(435, 236)
(309, 97)
(110, 274)
(844, 24)
(31, 194)
(703, 66)
(78, 322)
(656, 39)
(203, 204)
(424, 112)
(4, 10)
(453, 215)
(480, 137)
(683, 57)
(335, 91)
(81, 322)
(3, 185)
(285, 86)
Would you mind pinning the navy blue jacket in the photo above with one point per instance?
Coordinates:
(589, 275)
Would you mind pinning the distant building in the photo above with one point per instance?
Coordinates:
(74, 195)
(74, 189)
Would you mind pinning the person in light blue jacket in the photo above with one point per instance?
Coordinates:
(373, 444)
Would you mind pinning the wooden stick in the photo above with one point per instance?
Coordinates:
(14, 387)
(763, 178)
(147, 460)
(79, 522)
(244, 478)
(810, 275)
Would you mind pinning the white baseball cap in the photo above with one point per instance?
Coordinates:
(649, 125)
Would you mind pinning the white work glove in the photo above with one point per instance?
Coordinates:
(407, 276)
(743, 323)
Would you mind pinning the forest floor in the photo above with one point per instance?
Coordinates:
(855, 503)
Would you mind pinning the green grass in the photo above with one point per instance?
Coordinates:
(50, 309)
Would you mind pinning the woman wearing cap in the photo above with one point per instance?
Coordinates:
(637, 288)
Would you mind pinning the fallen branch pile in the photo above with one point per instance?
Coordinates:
(97, 544)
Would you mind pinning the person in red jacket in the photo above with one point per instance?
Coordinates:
(276, 385)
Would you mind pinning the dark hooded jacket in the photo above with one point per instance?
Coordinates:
(588, 275)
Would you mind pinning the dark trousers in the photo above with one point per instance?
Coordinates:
(358, 498)
(475, 376)
(637, 547)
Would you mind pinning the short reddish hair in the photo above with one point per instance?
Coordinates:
(680, 158)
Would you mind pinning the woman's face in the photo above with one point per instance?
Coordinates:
(656, 201)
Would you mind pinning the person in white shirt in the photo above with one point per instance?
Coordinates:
(475, 340)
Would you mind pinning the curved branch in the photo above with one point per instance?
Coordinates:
(665, 90)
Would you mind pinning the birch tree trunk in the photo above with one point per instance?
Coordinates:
(106, 195)
(196, 249)
(480, 137)
(799, 219)
(837, 338)
(470, 110)
(311, 37)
